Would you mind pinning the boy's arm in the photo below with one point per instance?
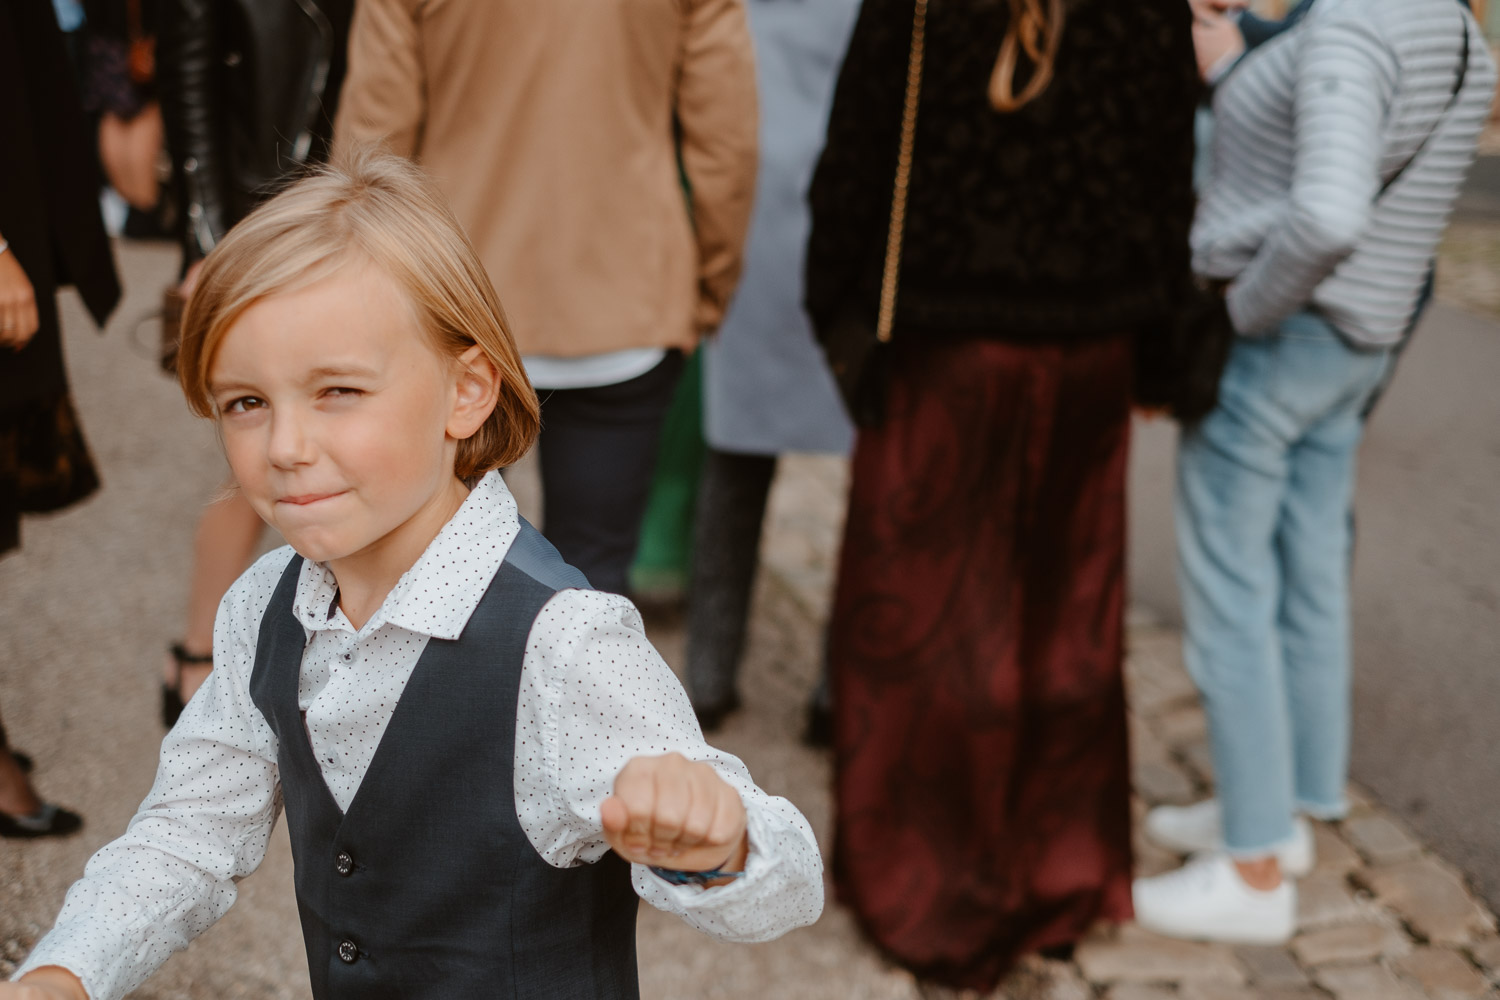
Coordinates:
(204, 824)
(595, 695)
(717, 113)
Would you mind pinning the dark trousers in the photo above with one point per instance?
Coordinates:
(726, 552)
(726, 548)
(598, 452)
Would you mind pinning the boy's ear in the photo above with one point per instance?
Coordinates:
(478, 390)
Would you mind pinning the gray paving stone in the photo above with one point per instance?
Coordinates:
(1036, 978)
(1381, 839)
(1182, 725)
(1138, 957)
(1360, 800)
(1200, 760)
(1349, 945)
(1326, 900)
(1333, 854)
(1145, 746)
(1486, 952)
(1364, 982)
(1432, 899)
(1442, 974)
(1154, 675)
(1218, 991)
(1150, 859)
(1159, 782)
(1133, 992)
(1272, 967)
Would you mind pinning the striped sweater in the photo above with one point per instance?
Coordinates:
(1310, 126)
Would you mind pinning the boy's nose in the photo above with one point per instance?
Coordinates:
(289, 443)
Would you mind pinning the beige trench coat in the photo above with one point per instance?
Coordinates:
(553, 127)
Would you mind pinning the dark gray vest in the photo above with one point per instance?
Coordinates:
(428, 887)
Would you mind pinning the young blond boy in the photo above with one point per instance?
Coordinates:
(460, 731)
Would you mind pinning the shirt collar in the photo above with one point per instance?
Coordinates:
(443, 587)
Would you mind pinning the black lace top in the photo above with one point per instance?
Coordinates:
(1066, 219)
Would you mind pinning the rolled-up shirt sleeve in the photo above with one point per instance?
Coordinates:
(594, 695)
(204, 824)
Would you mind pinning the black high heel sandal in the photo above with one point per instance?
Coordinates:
(48, 821)
(172, 702)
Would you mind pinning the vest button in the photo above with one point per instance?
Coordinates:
(348, 952)
(343, 864)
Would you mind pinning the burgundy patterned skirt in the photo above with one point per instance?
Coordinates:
(983, 777)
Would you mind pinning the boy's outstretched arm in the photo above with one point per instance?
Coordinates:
(609, 756)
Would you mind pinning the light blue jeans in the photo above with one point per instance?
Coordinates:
(1265, 485)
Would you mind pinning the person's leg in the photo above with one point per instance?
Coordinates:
(597, 452)
(223, 546)
(726, 546)
(1231, 480)
(1313, 545)
(17, 798)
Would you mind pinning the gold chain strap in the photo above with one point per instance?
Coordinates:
(903, 176)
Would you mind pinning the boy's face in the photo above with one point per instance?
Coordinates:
(336, 413)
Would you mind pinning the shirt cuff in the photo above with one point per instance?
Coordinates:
(95, 949)
(759, 906)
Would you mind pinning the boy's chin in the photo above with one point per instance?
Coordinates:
(317, 548)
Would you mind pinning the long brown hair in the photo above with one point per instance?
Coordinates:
(1035, 27)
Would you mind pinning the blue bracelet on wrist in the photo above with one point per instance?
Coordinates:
(676, 877)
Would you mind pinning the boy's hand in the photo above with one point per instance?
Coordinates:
(674, 813)
(47, 983)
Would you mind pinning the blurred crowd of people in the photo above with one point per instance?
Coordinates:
(959, 241)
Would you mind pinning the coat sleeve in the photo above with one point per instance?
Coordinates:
(188, 61)
(850, 196)
(384, 99)
(717, 110)
(1167, 149)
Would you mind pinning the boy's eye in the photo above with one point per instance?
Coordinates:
(342, 390)
(244, 404)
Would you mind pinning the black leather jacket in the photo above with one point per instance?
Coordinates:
(248, 95)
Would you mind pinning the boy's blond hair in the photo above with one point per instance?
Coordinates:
(381, 208)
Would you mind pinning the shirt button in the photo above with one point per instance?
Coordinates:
(348, 952)
(343, 864)
(347, 657)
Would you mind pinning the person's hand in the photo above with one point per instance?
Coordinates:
(675, 813)
(1216, 8)
(47, 983)
(1217, 39)
(18, 315)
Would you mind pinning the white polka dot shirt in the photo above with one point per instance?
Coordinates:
(594, 694)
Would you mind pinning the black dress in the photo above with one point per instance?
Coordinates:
(49, 212)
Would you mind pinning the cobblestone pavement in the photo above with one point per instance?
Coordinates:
(87, 605)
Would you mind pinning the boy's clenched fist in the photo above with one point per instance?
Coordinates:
(675, 813)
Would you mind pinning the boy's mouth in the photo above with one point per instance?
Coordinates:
(305, 499)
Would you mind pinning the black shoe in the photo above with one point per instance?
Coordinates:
(819, 731)
(711, 717)
(172, 702)
(1058, 952)
(49, 821)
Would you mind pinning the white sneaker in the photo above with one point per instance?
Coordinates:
(1206, 900)
(1199, 827)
